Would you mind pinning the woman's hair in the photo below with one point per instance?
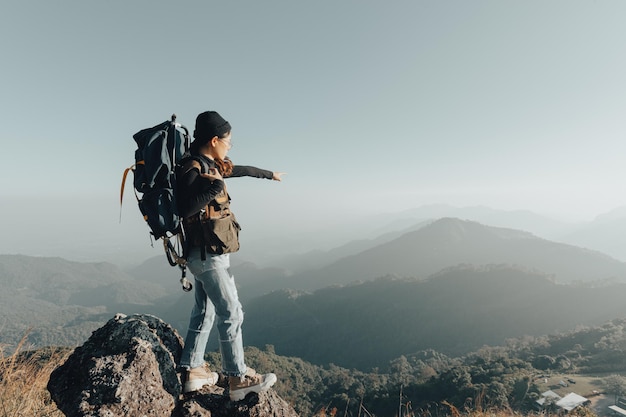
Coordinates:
(225, 166)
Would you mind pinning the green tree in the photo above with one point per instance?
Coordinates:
(401, 370)
(544, 362)
(615, 384)
(497, 396)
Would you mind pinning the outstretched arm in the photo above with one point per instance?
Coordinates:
(250, 171)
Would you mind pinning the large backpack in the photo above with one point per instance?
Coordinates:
(159, 149)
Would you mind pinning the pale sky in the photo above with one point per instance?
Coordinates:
(369, 106)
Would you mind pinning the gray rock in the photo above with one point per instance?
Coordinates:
(128, 367)
(214, 402)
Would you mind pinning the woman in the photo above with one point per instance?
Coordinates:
(204, 204)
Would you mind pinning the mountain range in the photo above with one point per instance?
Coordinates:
(606, 233)
(448, 284)
(449, 242)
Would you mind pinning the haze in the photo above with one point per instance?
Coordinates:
(372, 108)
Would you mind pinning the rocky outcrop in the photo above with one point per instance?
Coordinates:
(128, 367)
(214, 402)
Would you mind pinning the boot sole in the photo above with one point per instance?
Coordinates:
(241, 393)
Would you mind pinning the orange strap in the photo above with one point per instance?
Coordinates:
(124, 182)
(130, 168)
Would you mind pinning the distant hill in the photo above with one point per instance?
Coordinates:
(454, 312)
(60, 302)
(56, 301)
(320, 258)
(285, 251)
(449, 242)
(534, 223)
(607, 233)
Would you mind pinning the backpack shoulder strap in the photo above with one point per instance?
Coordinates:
(194, 161)
(201, 161)
(189, 163)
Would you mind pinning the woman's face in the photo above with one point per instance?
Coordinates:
(222, 146)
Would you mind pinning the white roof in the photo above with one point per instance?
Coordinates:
(617, 409)
(550, 393)
(547, 394)
(571, 401)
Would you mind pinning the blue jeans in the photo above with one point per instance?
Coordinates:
(215, 295)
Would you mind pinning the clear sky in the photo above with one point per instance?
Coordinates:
(369, 106)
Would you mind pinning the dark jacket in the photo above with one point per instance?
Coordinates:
(195, 192)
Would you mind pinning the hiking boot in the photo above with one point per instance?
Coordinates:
(239, 387)
(199, 377)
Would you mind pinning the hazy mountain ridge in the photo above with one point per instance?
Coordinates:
(56, 301)
(448, 242)
(64, 282)
(296, 251)
(412, 258)
(44, 322)
(454, 312)
(606, 233)
(21, 271)
(319, 258)
(587, 234)
(536, 224)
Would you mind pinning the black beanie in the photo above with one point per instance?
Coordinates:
(209, 124)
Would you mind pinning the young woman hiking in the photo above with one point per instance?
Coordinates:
(212, 234)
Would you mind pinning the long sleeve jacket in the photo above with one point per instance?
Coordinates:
(194, 192)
